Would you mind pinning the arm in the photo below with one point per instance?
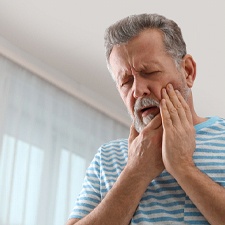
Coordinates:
(177, 153)
(208, 196)
(72, 221)
(144, 164)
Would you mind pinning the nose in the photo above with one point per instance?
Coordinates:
(140, 88)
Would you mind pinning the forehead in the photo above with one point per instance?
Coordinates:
(146, 39)
(146, 49)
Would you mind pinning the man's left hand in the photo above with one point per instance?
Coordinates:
(178, 142)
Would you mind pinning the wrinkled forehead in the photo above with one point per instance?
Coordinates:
(146, 39)
(144, 50)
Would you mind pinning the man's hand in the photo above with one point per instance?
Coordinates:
(145, 150)
(178, 143)
(178, 146)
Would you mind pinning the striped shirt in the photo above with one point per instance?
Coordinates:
(164, 201)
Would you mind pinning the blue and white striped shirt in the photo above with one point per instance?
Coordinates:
(164, 201)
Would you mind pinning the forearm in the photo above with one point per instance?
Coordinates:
(121, 201)
(208, 196)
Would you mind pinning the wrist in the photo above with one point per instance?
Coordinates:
(184, 172)
(145, 175)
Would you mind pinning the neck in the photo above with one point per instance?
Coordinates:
(196, 119)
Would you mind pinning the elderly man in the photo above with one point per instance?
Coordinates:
(171, 170)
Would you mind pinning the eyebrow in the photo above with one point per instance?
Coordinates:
(147, 66)
(122, 76)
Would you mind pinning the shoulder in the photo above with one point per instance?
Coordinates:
(109, 150)
(221, 122)
(117, 145)
(213, 125)
(218, 127)
(115, 150)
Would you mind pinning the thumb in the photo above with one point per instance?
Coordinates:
(155, 123)
(133, 134)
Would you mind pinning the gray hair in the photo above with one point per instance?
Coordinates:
(125, 29)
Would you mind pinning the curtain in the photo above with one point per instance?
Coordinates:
(47, 140)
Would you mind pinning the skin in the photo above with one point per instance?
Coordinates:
(142, 68)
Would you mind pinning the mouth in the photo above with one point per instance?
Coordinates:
(153, 110)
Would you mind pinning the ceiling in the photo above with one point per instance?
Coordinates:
(67, 36)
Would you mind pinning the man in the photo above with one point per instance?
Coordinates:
(171, 170)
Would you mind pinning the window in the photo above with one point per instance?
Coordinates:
(47, 140)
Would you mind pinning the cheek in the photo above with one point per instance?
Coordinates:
(129, 101)
(175, 81)
(179, 85)
(156, 92)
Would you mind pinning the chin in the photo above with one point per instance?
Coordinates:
(140, 124)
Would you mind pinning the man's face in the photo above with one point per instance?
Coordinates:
(141, 69)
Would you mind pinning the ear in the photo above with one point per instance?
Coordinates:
(189, 67)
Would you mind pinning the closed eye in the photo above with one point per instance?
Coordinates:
(127, 81)
(151, 73)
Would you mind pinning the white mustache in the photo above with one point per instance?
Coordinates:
(145, 102)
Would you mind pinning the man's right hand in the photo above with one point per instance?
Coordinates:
(144, 164)
(145, 150)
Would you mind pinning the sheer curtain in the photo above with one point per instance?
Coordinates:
(47, 140)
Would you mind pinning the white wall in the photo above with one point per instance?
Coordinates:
(69, 38)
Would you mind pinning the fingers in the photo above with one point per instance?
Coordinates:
(155, 123)
(166, 120)
(185, 107)
(174, 109)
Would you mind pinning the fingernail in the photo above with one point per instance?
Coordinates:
(164, 91)
(170, 86)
